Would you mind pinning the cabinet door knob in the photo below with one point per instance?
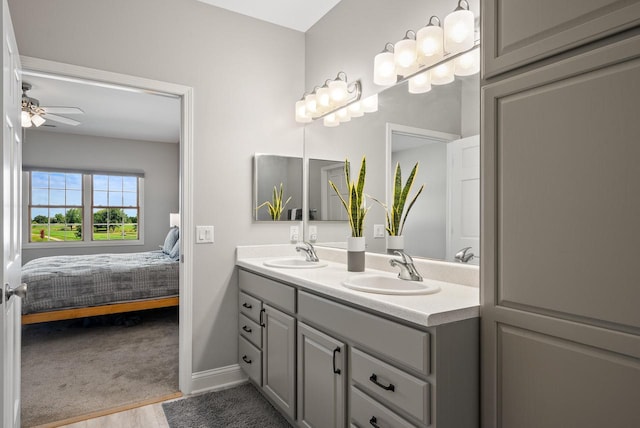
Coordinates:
(374, 422)
(335, 370)
(246, 360)
(247, 305)
(247, 329)
(374, 379)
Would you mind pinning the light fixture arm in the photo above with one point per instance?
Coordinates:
(439, 24)
(460, 5)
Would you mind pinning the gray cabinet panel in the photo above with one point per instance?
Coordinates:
(519, 32)
(390, 385)
(321, 379)
(250, 306)
(250, 360)
(579, 218)
(548, 382)
(275, 293)
(402, 344)
(278, 353)
(250, 330)
(365, 411)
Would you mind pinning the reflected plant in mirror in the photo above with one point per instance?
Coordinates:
(275, 206)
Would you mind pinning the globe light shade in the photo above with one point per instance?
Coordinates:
(429, 45)
(442, 74)
(310, 103)
(384, 69)
(301, 113)
(25, 119)
(420, 83)
(331, 120)
(405, 56)
(458, 31)
(468, 63)
(37, 120)
(323, 99)
(370, 104)
(343, 115)
(338, 90)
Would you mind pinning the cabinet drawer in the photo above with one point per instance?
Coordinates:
(250, 306)
(367, 412)
(404, 345)
(250, 360)
(390, 385)
(275, 293)
(250, 330)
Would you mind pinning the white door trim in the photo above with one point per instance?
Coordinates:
(107, 78)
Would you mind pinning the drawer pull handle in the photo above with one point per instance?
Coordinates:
(335, 370)
(374, 379)
(247, 305)
(246, 360)
(374, 422)
(247, 329)
(262, 311)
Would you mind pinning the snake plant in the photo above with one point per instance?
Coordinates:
(275, 206)
(355, 203)
(397, 215)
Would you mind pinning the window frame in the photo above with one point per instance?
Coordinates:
(87, 211)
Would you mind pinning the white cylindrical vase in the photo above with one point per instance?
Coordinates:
(355, 253)
(395, 243)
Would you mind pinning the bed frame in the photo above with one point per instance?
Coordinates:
(115, 308)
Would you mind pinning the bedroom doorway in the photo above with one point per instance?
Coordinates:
(34, 69)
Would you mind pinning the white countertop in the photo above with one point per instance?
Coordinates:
(454, 302)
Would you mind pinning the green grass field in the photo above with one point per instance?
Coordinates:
(59, 232)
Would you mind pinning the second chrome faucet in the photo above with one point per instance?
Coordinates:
(309, 251)
(408, 270)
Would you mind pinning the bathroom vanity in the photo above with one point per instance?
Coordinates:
(329, 356)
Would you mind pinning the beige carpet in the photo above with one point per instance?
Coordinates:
(75, 367)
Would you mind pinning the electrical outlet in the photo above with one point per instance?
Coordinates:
(378, 230)
(313, 233)
(204, 234)
(293, 233)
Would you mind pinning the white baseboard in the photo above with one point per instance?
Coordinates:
(217, 379)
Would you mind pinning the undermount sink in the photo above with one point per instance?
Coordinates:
(382, 284)
(294, 263)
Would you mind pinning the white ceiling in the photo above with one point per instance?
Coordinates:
(108, 111)
(296, 14)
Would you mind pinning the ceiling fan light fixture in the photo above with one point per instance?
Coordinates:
(37, 120)
(25, 119)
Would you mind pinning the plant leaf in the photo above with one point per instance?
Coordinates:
(410, 206)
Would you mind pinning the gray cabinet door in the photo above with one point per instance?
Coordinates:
(560, 231)
(519, 32)
(321, 379)
(278, 359)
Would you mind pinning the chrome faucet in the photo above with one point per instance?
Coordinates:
(464, 255)
(309, 251)
(407, 269)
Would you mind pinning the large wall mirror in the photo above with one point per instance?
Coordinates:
(437, 129)
(281, 175)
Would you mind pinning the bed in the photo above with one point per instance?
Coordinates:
(67, 287)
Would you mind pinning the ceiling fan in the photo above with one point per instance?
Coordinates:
(34, 115)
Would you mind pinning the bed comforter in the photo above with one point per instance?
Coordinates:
(63, 282)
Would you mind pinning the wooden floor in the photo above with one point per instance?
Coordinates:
(150, 416)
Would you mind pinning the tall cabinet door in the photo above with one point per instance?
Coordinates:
(321, 379)
(278, 359)
(560, 233)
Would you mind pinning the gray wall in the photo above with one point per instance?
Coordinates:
(159, 162)
(243, 103)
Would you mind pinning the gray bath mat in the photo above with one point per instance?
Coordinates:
(240, 407)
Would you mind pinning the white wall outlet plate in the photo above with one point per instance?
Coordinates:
(313, 233)
(378, 230)
(204, 234)
(294, 233)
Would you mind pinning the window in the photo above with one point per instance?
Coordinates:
(115, 207)
(62, 203)
(56, 207)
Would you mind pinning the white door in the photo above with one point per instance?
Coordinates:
(331, 206)
(10, 327)
(464, 204)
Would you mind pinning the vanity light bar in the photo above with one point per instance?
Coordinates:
(433, 55)
(336, 101)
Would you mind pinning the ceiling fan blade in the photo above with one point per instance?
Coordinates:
(63, 110)
(61, 119)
